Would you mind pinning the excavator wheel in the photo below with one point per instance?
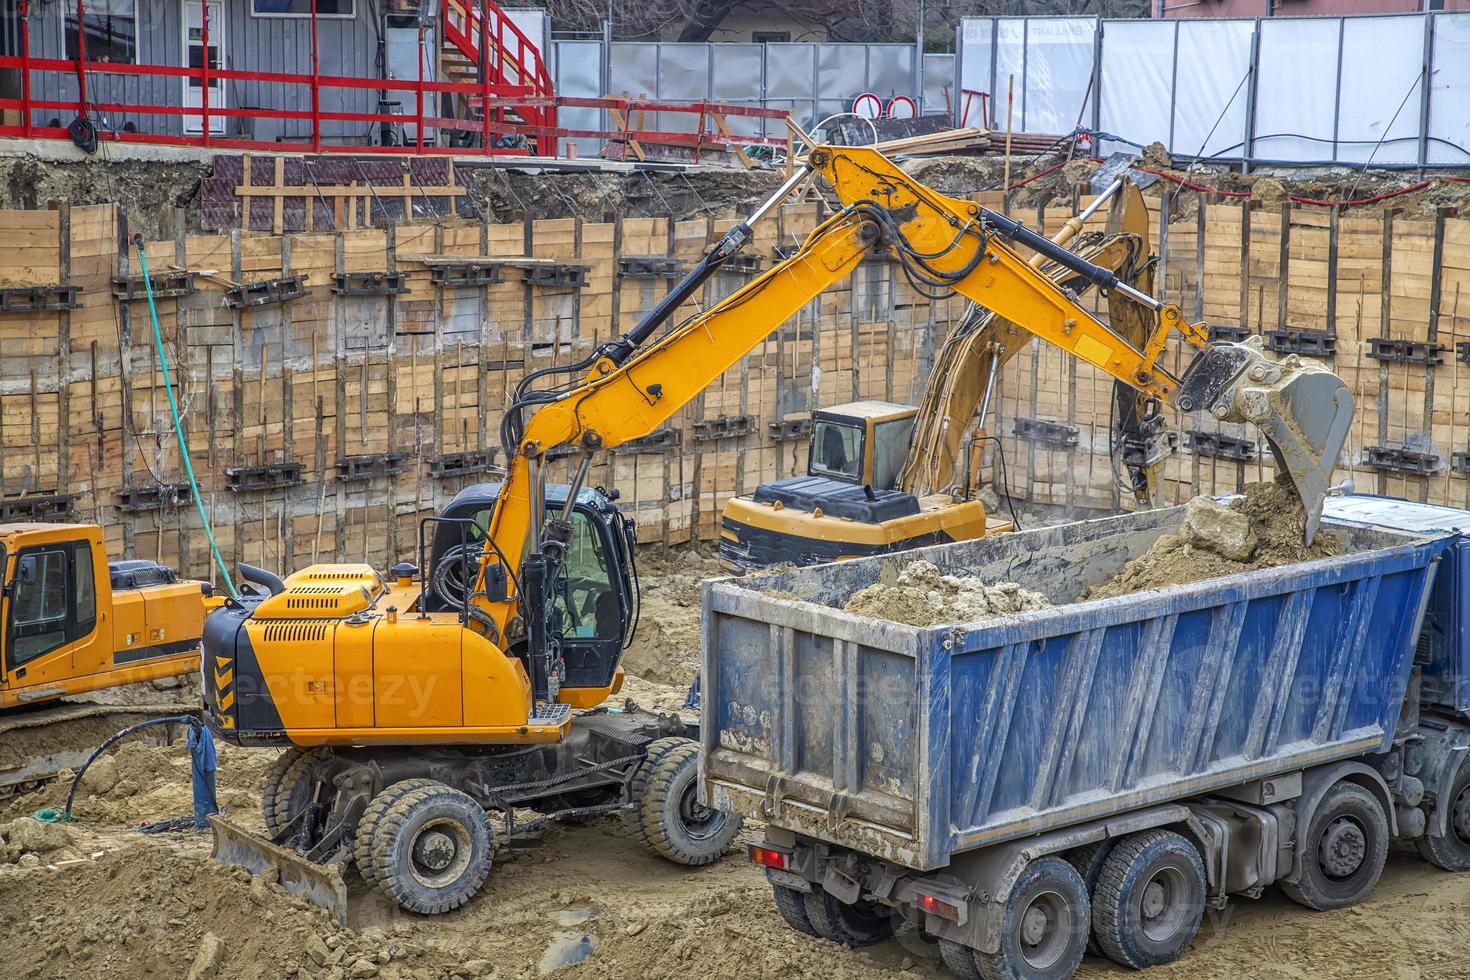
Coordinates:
(670, 819)
(362, 845)
(287, 786)
(432, 849)
(638, 788)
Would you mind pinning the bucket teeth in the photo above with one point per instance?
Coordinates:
(1303, 410)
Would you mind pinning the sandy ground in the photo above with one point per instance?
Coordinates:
(125, 905)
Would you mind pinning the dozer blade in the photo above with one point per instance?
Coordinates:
(318, 883)
(1303, 410)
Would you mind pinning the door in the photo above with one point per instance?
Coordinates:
(194, 14)
(51, 603)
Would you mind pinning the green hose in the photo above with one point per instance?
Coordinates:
(173, 407)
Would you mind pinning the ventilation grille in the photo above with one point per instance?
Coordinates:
(289, 632)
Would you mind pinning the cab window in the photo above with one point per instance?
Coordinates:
(837, 450)
(584, 592)
(38, 606)
(890, 449)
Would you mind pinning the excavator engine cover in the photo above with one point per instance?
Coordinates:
(1302, 408)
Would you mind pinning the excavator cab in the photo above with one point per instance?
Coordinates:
(862, 443)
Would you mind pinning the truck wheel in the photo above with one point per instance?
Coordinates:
(362, 842)
(1343, 850)
(792, 906)
(1149, 899)
(1044, 928)
(959, 959)
(432, 849)
(1089, 861)
(288, 786)
(1452, 851)
(671, 819)
(860, 924)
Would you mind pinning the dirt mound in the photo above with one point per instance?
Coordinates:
(923, 597)
(1268, 532)
(665, 648)
(151, 911)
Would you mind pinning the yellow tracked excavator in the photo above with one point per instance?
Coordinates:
(73, 623)
(884, 477)
(476, 682)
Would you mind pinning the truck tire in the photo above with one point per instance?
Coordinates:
(1089, 861)
(432, 849)
(792, 906)
(1149, 899)
(860, 924)
(1044, 926)
(1343, 851)
(362, 842)
(959, 959)
(288, 786)
(671, 820)
(1452, 851)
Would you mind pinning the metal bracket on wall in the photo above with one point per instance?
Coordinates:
(467, 274)
(269, 477)
(745, 264)
(39, 299)
(159, 496)
(1046, 432)
(1406, 351)
(555, 275)
(267, 292)
(1221, 332)
(370, 283)
(789, 430)
(650, 267)
(1313, 343)
(37, 507)
(1221, 446)
(463, 464)
(166, 285)
(1460, 463)
(655, 442)
(1398, 459)
(724, 427)
(1462, 351)
(370, 465)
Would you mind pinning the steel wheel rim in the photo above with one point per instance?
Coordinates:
(1161, 905)
(1342, 849)
(700, 822)
(1042, 931)
(439, 852)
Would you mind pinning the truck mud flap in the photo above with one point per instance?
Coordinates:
(320, 884)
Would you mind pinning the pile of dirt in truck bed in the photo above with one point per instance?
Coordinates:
(921, 596)
(1265, 528)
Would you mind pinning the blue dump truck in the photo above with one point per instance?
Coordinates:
(1096, 773)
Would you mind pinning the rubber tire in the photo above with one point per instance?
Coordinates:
(1450, 852)
(1117, 898)
(394, 837)
(659, 807)
(1008, 962)
(1089, 861)
(638, 786)
(367, 825)
(959, 959)
(289, 791)
(1314, 889)
(792, 906)
(863, 924)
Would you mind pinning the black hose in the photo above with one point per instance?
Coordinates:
(76, 782)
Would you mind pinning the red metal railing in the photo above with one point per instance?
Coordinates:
(511, 96)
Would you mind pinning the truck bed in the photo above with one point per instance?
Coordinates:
(914, 744)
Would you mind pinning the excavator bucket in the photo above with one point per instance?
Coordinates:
(1303, 410)
(321, 884)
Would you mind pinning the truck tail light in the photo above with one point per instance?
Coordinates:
(769, 857)
(939, 907)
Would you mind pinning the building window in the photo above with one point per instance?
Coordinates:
(302, 8)
(770, 37)
(111, 31)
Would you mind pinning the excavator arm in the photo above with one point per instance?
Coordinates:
(626, 389)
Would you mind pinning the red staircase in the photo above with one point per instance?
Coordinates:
(519, 86)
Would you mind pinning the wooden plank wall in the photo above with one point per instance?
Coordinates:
(327, 378)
